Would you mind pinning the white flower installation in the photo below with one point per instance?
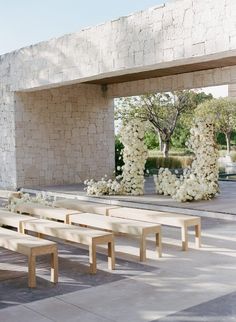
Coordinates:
(41, 197)
(135, 154)
(200, 182)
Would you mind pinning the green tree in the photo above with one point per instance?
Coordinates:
(151, 140)
(184, 124)
(222, 112)
(162, 110)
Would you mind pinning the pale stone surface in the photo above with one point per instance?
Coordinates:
(232, 90)
(179, 30)
(52, 136)
(198, 79)
(170, 288)
(63, 135)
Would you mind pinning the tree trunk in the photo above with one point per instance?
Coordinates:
(228, 137)
(166, 147)
(160, 142)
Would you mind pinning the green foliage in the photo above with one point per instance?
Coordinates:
(233, 137)
(220, 139)
(222, 112)
(118, 155)
(151, 163)
(180, 136)
(201, 97)
(167, 113)
(151, 140)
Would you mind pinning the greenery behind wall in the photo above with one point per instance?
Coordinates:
(170, 116)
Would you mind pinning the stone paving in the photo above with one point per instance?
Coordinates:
(222, 205)
(198, 285)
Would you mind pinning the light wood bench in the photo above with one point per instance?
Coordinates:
(84, 206)
(42, 211)
(31, 247)
(163, 218)
(125, 226)
(85, 236)
(8, 218)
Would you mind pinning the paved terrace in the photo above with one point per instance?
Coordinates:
(193, 286)
(222, 207)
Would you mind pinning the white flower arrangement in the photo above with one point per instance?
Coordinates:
(200, 182)
(135, 154)
(41, 198)
(103, 187)
(166, 183)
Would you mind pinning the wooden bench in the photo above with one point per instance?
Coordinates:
(163, 218)
(31, 247)
(8, 218)
(85, 236)
(42, 211)
(84, 206)
(118, 225)
(157, 217)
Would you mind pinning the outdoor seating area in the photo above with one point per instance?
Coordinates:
(115, 225)
(93, 229)
(42, 227)
(73, 256)
(118, 161)
(143, 215)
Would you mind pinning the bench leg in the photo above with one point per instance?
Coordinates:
(184, 237)
(32, 271)
(142, 253)
(54, 267)
(92, 259)
(159, 244)
(67, 220)
(198, 235)
(111, 255)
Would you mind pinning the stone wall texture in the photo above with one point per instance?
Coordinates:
(193, 80)
(52, 125)
(232, 90)
(63, 135)
(154, 38)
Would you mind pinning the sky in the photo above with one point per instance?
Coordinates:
(217, 91)
(26, 22)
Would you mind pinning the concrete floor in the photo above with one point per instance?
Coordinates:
(222, 206)
(198, 285)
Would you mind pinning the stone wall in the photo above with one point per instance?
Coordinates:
(152, 39)
(232, 90)
(53, 132)
(63, 135)
(7, 138)
(205, 78)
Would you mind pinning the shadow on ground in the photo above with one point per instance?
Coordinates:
(221, 309)
(73, 275)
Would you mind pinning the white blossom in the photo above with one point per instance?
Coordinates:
(200, 182)
(135, 155)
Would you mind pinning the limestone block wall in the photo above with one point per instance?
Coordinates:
(7, 138)
(156, 38)
(210, 77)
(63, 135)
(232, 90)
